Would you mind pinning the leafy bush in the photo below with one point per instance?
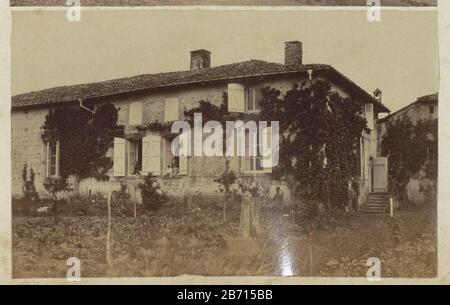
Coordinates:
(121, 204)
(412, 149)
(153, 197)
(81, 205)
(28, 187)
(227, 184)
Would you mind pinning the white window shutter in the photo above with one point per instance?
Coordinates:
(368, 113)
(151, 155)
(267, 161)
(171, 109)
(135, 113)
(182, 156)
(119, 157)
(236, 98)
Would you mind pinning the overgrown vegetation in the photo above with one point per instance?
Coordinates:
(412, 150)
(319, 136)
(28, 186)
(84, 139)
(153, 196)
(226, 184)
(171, 243)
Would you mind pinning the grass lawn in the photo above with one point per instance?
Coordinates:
(171, 242)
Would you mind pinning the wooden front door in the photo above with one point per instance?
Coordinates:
(380, 175)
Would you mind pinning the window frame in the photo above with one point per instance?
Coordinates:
(253, 93)
(166, 147)
(254, 169)
(138, 146)
(135, 113)
(49, 159)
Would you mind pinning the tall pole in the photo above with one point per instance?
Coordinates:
(108, 235)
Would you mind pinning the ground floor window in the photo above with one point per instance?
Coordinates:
(150, 154)
(52, 166)
(134, 156)
(171, 163)
(252, 162)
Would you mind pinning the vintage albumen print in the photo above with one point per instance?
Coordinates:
(159, 143)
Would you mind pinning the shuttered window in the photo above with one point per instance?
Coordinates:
(134, 157)
(171, 109)
(135, 113)
(151, 155)
(236, 98)
(119, 157)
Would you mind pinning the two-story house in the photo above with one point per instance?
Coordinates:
(165, 97)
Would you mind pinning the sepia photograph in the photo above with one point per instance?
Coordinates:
(224, 142)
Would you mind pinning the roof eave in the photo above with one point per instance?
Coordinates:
(379, 106)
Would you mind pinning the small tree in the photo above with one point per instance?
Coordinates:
(153, 196)
(28, 186)
(411, 148)
(226, 181)
(54, 185)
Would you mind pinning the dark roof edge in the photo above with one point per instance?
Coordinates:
(369, 97)
(170, 85)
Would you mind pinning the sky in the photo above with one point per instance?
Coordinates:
(399, 55)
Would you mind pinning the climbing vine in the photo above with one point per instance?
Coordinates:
(84, 139)
(319, 136)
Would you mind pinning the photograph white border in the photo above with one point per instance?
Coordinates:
(444, 164)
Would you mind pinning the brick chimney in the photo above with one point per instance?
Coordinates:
(200, 59)
(293, 53)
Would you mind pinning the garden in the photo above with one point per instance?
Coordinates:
(175, 240)
(240, 231)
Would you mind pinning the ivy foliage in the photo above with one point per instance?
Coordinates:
(212, 112)
(319, 137)
(411, 148)
(84, 139)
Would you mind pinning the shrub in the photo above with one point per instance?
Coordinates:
(227, 184)
(153, 197)
(54, 185)
(28, 187)
(121, 204)
(82, 205)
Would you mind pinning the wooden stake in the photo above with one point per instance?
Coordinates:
(108, 235)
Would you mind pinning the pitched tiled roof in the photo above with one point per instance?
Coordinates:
(247, 69)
